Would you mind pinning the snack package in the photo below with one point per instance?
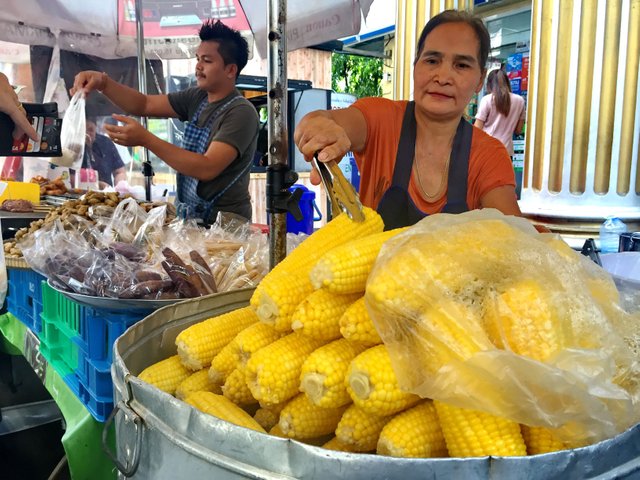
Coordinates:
(480, 311)
(44, 119)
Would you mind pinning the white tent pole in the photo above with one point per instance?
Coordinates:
(147, 170)
(277, 109)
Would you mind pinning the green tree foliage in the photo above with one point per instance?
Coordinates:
(357, 75)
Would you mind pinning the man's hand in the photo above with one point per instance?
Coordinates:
(131, 134)
(88, 81)
(10, 104)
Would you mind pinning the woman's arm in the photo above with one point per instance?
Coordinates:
(502, 198)
(478, 123)
(518, 129)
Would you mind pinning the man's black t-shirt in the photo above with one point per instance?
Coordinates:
(103, 157)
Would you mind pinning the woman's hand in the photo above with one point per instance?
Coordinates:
(10, 104)
(319, 133)
(131, 134)
(88, 81)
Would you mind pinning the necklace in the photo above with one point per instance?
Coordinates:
(440, 188)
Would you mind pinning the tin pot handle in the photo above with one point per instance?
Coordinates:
(130, 468)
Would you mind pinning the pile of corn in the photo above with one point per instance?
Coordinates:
(304, 361)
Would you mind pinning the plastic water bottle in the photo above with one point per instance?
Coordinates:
(610, 232)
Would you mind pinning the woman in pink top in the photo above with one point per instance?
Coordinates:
(501, 113)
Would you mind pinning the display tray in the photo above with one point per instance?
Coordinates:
(108, 303)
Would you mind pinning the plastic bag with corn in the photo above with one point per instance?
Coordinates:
(480, 311)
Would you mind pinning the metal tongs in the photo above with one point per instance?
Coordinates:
(342, 195)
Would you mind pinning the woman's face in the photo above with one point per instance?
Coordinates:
(447, 72)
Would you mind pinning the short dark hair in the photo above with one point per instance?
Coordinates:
(459, 16)
(232, 46)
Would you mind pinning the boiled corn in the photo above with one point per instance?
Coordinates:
(324, 371)
(282, 289)
(223, 408)
(356, 325)
(166, 375)
(196, 382)
(301, 419)
(414, 433)
(318, 315)
(359, 429)
(235, 389)
(198, 344)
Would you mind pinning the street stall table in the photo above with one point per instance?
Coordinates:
(82, 438)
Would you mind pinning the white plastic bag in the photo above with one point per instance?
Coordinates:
(73, 134)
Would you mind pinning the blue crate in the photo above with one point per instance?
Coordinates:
(98, 330)
(95, 375)
(98, 407)
(24, 296)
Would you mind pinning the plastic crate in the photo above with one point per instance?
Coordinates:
(58, 349)
(99, 407)
(24, 296)
(99, 329)
(95, 375)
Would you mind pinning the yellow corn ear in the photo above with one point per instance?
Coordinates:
(542, 440)
(373, 385)
(235, 389)
(253, 338)
(284, 287)
(277, 431)
(166, 374)
(345, 268)
(301, 419)
(273, 372)
(197, 382)
(223, 408)
(198, 344)
(224, 362)
(266, 417)
(356, 325)
(338, 446)
(469, 433)
(359, 429)
(414, 433)
(323, 373)
(522, 319)
(318, 315)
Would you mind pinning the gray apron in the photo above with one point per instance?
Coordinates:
(196, 139)
(396, 207)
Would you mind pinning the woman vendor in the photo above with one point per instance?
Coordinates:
(422, 157)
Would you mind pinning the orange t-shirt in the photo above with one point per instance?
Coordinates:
(489, 163)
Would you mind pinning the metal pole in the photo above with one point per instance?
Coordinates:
(142, 86)
(277, 108)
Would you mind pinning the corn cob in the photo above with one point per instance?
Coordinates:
(223, 408)
(277, 431)
(345, 268)
(301, 419)
(338, 446)
(197, 382)
(166, 375)
(273, 372)
(198, 344)
(224, 362)
(282, 289)
(373, 386)
(318, 315)
(414, 433)
(235, 389)
(469, 433)
(356, 325)
(323, 373)
(359, 429)
(253, 338)
(542, 440)
(267, 417)
(522, 319)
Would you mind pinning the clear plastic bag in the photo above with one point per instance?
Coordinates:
(73, 133)
(480, 311)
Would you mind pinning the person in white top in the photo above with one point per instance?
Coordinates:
(501, 113)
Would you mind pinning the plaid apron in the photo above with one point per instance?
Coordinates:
(196, 139)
